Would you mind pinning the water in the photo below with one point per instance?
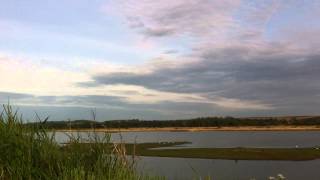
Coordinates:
(220, 138)
(180, 168)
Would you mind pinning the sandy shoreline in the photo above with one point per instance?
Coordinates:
(199, 129)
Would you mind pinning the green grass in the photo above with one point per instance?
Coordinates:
(291, 154)
(29, 152)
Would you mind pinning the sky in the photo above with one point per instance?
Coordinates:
(160, 59)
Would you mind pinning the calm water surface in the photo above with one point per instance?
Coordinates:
(180, 168)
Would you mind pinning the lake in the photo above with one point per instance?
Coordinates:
(182, 168)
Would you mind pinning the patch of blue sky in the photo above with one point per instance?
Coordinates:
(294, 15)
(51, 11)
(29, 38)
(68, 29)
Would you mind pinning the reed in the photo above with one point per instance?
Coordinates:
(30, 152)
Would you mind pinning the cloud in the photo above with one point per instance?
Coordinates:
(79, 107)
(84, 101)
(27, 76)
(240, 76)
(232, 65)
(12, 98)
(172, 51)
(158, 32)
(8, 95)
(230, 61)
(46, 85)
(167, 18)
(199, 20)
(112, 107)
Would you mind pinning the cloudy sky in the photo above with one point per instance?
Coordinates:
(160, 59)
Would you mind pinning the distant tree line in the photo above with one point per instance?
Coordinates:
(197, 122)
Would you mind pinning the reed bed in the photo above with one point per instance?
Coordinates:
(30, 152)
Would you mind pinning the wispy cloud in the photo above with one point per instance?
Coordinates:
(167, 18)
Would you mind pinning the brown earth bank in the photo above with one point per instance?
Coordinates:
(198, 129)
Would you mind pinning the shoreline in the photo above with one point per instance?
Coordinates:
(196, 129)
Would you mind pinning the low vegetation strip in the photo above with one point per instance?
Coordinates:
(177, 150)
(159, 150)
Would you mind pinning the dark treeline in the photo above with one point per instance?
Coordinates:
(197, 122)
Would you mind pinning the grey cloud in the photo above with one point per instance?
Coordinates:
(134, 22)
(158, 32)
(85, 100)
(149, 112)
(108, 107)
(11, 98)
(171, 51)
(280, 79)
(9, 95)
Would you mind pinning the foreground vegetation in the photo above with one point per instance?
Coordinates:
(30, 153)
(198, 122)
